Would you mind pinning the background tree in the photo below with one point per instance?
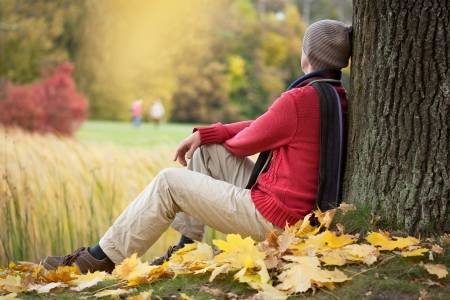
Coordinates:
(36, 34)
(398, 161)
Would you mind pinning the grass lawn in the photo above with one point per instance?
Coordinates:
(125, 134)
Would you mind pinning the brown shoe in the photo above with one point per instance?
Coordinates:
(82, 258)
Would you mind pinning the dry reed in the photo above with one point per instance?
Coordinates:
(57, 194)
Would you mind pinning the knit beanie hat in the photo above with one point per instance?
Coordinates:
(327, 44)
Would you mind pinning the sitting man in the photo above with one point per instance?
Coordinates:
(214, 189)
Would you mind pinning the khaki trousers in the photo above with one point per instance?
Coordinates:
(210, 191)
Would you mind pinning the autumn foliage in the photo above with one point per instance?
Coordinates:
(304, 257)
(51, 104)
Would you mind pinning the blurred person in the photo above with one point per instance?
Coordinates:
(156, 112)
(136, 112)
(221, 187)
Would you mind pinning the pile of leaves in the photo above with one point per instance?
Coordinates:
(303, 257)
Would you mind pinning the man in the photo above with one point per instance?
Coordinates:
(212, 189)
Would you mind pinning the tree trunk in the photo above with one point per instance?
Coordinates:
(399, 136)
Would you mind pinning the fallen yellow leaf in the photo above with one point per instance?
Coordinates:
(88, 280)
(385, 242)
(414, 252)
(142, 296)
(12, 284)
(111, 293)
(62, 274)
(436, 269)
(239, 252)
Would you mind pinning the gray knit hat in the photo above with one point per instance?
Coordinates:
(327, 44)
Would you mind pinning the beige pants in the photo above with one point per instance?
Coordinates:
(210, 191)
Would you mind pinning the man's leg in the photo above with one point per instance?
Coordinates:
(213, 202)
(215, 161)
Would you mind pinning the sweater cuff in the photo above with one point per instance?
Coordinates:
(214, 134)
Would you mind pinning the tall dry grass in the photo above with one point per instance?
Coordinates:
(57, 194)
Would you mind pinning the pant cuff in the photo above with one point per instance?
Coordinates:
(111, 250)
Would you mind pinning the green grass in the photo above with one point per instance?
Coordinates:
(125, 134)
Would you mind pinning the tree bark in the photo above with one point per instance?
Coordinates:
(399, 132)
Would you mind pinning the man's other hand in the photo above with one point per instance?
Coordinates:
(187, 148)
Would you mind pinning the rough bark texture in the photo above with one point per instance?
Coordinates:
(399, 136)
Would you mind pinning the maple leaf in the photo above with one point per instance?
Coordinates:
(414, 252)
(239, 252)
(297, 276)
(329, 239)
(45, 288)
(300, 275)
(111, 293)
(133, 270)
(334, 257)
(191, 257)
(384, 242)
(142, 296)
(437, 249)
(85, 281)
(367, 254)
(310, 225)
(12, 284)
(256, 279)
(225, 268)
(9, 296)
(61, 274)
(184, 296)
(436, 269)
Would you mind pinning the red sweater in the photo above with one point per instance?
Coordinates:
(286, 192)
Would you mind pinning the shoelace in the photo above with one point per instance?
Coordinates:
(70, 259)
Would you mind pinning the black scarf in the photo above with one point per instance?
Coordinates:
(264, 158)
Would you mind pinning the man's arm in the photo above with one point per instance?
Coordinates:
(273, 129)
(216, 133)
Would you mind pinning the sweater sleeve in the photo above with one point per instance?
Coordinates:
(271, 130)
(218, 133)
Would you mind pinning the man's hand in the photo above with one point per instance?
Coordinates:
(187, 148)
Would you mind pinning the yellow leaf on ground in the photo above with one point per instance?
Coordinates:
(88, 280)
(142, 296)
(12, 284)
(45, 288)
(184, 296)
(219, 270)
(333, 257)
(9, 296)
(111, 293)
(239, 252)
(437, 249)
(300, 275)
(367, 254)
(414, 252)
(193, 256)
(62, 274)
(255, 279)
(436, 269)
(329, 239)
(310, 225)
(133, 270)
(385, 242)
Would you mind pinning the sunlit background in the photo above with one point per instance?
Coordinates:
(75, 74)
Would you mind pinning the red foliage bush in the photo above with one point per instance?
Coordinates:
(51, 104)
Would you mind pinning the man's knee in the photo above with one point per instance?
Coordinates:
(169, 175)
(209, 150)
